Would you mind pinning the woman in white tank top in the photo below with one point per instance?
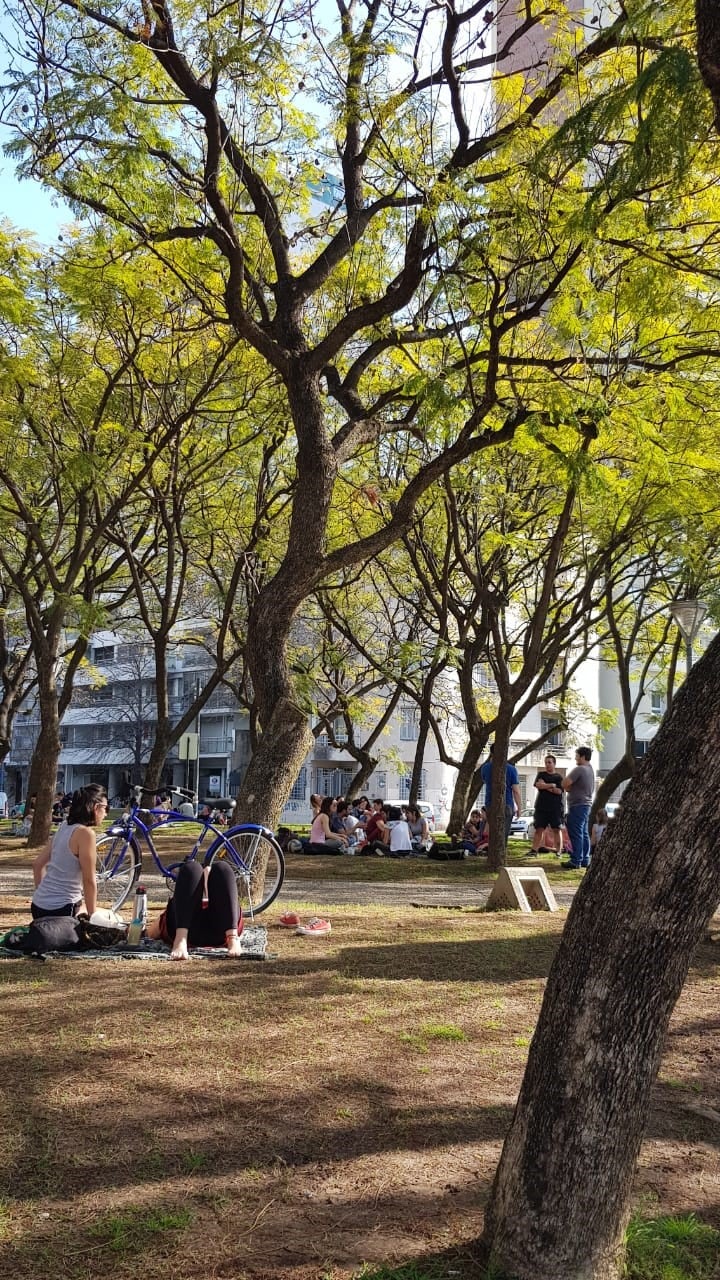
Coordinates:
(64, 872)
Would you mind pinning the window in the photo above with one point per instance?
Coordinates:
(332, 782)
(298, 791)
(640, 748)
(380, 780)
(657, 702)
(404, 784)
(553, 732)
(103, 694)
(104, 653)
(409, 724)
(483, 677)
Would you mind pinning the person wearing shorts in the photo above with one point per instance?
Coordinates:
(548, 816)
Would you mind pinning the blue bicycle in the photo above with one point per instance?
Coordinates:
(251, 850)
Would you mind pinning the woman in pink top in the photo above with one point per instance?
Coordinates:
(320, 833)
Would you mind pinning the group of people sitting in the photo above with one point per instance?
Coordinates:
(366, 827)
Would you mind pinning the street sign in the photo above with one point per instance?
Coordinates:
(188, 746)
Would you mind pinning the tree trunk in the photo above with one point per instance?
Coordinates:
(620, 772)
(497, 843)
(559, 1203)
(368, 765)
(42, 778)
(152, 773)
(286, 737)
(466, 783)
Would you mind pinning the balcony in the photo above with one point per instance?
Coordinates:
(219, 745)
(323, 751)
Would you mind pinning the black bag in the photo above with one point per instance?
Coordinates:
(96, 937)
(52, 933)
(446, 853)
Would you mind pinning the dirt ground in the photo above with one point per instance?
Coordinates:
(342, 1104)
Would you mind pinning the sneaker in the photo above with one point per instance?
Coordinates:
(569, 866)
(315, 928)
(289, 920)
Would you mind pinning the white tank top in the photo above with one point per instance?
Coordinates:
(62, 883)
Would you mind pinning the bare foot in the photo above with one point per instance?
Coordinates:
(233, 944)
(179, 947)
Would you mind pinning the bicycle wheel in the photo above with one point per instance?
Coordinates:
(117, 868)
(258, 863)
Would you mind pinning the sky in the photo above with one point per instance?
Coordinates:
(29, 206)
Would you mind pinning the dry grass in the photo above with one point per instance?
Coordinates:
(343, 1104)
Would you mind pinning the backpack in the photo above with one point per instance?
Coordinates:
(446, 853)
(52, 933)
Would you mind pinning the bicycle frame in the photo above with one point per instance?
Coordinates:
(133, 825)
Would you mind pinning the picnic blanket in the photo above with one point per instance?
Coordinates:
(253, 941)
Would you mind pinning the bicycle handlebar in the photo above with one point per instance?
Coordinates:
(139, 792)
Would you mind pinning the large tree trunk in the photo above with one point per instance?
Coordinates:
(559, 1203)
(286, 737)
(362, 777)
(465, 789)
(152, 773)
(497, 842)
(620, 772)
(42, 778)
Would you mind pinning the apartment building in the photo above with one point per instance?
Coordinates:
(108, 729)
(107, 734)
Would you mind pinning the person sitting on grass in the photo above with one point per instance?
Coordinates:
(64, 871)
(398, 835)
(322, 838)
(375, 831)
(203, 911)
(419, 829)
(472, 833)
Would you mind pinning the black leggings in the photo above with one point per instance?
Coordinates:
(207, 925)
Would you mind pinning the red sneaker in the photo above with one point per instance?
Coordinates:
(315, 928)
(289, 920)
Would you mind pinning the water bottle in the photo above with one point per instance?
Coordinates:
(139, 918)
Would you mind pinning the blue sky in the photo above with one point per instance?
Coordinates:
(29, 205)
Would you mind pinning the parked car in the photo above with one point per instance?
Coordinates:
(522, 825)
(426, 810)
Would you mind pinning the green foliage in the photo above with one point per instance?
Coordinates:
(671, 1248)
(137, 1229)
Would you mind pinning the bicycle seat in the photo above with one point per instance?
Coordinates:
(224, 806)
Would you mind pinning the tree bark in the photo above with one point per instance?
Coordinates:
(620, 772)
(466, 785)
(497, 843)
(559, 1203)
(42, 776)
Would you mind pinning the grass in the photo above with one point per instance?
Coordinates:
(343, 1104)
(672, 1248)
(664, 1248)
(133, 1230)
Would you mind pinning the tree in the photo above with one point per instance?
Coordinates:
(389, 317)
(97, 384)
(624, 956)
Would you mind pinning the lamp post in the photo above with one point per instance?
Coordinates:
(689, 615)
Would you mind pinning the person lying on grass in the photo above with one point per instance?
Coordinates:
(203, 911)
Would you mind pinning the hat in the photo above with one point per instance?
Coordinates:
(107, 919)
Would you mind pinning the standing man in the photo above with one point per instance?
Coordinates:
(580, 786)
(513, 798)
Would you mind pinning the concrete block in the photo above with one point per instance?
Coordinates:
(521, 889)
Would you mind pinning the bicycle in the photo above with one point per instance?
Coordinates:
(250, 848)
